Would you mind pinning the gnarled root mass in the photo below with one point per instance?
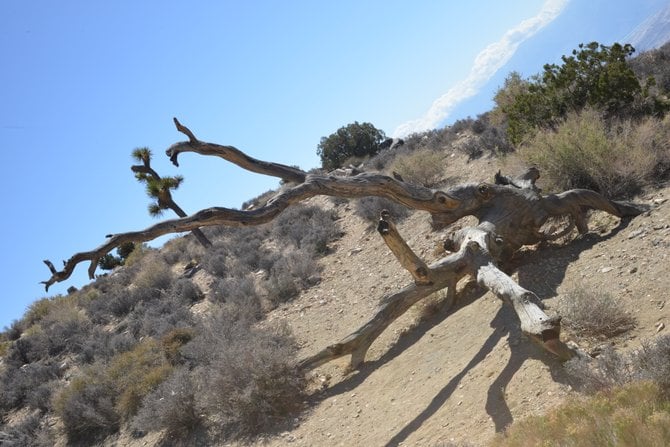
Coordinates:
(511, 213)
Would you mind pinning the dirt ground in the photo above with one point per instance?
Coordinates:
(465, 375)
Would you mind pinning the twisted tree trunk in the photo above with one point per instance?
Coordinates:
(511, 214)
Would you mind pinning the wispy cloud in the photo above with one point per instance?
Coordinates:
(485, 65)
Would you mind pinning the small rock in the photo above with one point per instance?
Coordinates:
(606, 269)
(355, 251)
(633, 270)
(635, 233)
(659, 327)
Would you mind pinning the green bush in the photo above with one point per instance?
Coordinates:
(353, 140)
(594, 76)
(584, 152)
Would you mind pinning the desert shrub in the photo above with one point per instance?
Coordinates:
(612, 369)
(30, 431)
(609, 370)
(14, 331)
(308, 227)
(281, 285)
(494, 139)
(19, 385)
(176, 250)
(584, 152)
(238, 250)
(423, 167)
(370, 208)
(185, 291)
(172, 342)
(654, 362)
(38, 310)
(39, 398)
(138, 254)
(594, 313)
(94, 404)
(86, 408)
(173, 407)
(116, 302)
(214, 261)
(157, 317)
(154, 274)
(635, 415)
(135, 373)
(64, 330)
(383, 159)
(246, 375)
(239, 298)
(294, 271)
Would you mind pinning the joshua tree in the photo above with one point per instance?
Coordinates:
(511, 214)
(159, 188)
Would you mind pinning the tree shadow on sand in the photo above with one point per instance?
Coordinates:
(532, 275)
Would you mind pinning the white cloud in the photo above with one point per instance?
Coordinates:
(486, 64)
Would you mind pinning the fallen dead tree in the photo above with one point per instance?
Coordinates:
(511, 213)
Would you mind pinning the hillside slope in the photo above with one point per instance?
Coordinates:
(463, 376)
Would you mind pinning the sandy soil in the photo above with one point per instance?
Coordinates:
(463, 376)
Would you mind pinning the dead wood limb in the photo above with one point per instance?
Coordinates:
(446, 273)
(233, 155)
(407, 258)
(472, 258)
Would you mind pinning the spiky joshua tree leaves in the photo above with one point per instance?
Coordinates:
(160, 189)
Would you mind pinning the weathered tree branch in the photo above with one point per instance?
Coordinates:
(233, 155)
(510, 213)
(164, 196)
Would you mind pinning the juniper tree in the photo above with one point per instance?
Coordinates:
(160, 189)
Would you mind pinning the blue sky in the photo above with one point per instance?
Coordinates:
(84, 83)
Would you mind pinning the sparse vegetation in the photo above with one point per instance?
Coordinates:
(616, 160)
(423, 167)
(594, 314)
(635, 415)
(140, 349)
(370, 208)
(353, 140)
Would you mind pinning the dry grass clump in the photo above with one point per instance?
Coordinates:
(423, 167)
(154, 274)
(594, 313)
(94, 404)
(370, 208)
(635, 415)
(585, 151)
